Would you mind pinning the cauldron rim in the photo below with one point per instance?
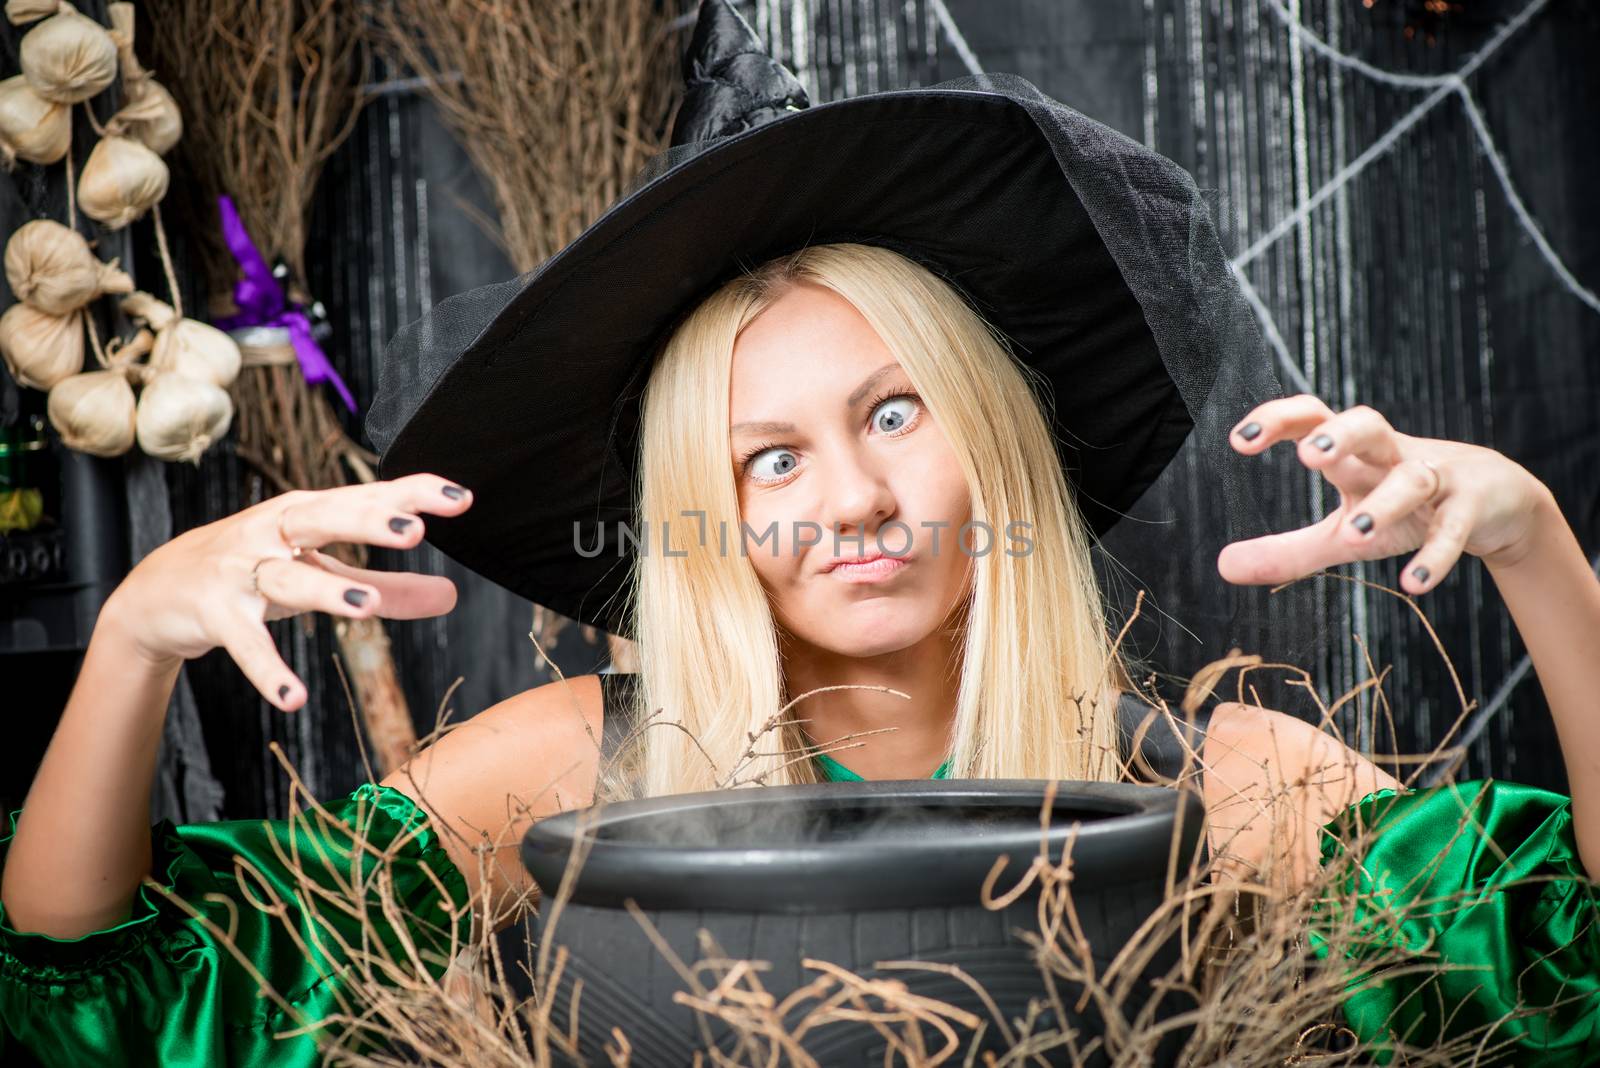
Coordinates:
(1131, 844)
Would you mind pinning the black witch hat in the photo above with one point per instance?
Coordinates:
(1093, 255)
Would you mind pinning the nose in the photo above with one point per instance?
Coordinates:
(859, 497)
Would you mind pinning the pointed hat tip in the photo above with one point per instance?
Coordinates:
(731, 82)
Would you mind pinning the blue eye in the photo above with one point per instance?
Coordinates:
(894, 418)
(892, 413)
(784, 465)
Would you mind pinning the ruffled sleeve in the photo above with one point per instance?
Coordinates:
(1469, 917)
(162, 987)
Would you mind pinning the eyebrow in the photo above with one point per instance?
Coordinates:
(855, 398)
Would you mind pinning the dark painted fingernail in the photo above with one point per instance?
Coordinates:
(399, 523)
(356, 597)
(455, 493)
(1420, 573)
(1323, 442)
(1250, 431)
(1362, 522)
(283, 693)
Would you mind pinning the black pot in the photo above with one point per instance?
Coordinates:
(849, 873)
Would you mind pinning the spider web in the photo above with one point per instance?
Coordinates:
(1441, 87)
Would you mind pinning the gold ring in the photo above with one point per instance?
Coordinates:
(255, 577)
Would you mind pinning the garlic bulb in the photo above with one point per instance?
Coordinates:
(197, 350)
(67, 57)
(179, 418)
(22, 12)
(186, 346)
(94, 413)
(31, 127)
(153, 120)
(150, 116)
(41, 349)
(51, 267)
(121, 180)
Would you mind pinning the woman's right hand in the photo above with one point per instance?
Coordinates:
(218, 584)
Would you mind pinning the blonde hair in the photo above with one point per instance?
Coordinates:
(1038, 674)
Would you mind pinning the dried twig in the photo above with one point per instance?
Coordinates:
(558, 105)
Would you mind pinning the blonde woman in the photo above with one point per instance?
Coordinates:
(880, 495)
(867, 389)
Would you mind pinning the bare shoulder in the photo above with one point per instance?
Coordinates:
(573, 702)
(1289, 748)
(486, 780)
(1272, 780)
(545, 739)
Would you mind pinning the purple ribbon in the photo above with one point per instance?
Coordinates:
(261, 302)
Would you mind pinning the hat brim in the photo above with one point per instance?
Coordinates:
(539, 412)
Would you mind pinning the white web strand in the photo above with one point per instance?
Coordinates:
(1270, 327)
(957, 40)
(1443, 85)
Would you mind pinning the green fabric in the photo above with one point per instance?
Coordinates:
(833, 771)
(159, 989)
(1431, 886)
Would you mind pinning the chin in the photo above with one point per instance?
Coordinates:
(877, 629)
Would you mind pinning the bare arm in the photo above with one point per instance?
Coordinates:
(1554, 599)
(485, 782)
(82, 845)
(83, 839)
(1439, 499)
(1271, 781)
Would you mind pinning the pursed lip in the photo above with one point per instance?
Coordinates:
(835, 563)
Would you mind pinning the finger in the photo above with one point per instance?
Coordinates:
(1360, 432)
(303, 586)
(1278, 558)
(404, 594)
(1452, 525)
(424, 492)
(368, 519)
(377, 513)
(252, 648)
(1281, 419)
(1408, 486)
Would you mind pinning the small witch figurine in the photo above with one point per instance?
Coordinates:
(836, 396)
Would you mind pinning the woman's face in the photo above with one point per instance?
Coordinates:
(831, 444)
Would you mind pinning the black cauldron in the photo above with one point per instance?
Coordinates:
(848, 873)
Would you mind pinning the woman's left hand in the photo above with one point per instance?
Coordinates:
(1480, 502)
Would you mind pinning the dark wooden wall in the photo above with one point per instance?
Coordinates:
(1413, 289)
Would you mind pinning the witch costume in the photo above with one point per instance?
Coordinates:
(1094, 256)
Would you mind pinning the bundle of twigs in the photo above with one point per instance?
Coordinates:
(557, 104)
(269, 90)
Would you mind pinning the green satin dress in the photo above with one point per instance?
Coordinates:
(1485, 878)
(160, 989)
